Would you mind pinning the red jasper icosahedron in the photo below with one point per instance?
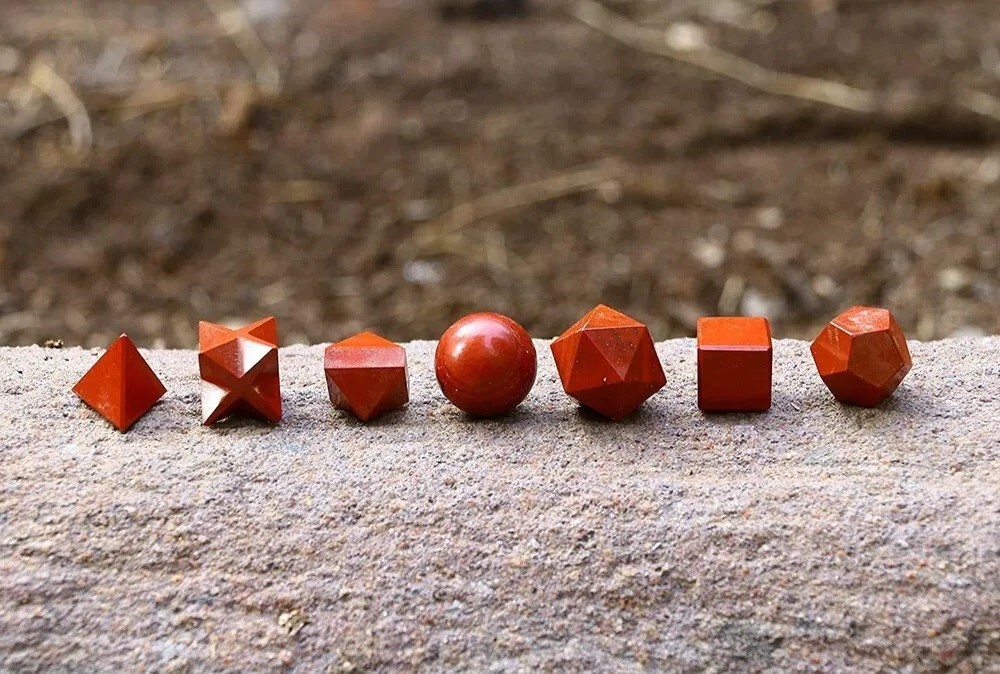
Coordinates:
(862, 355)
(366, 375)
(239, 371)
(734, 364)
(120, 385)
(608, 362)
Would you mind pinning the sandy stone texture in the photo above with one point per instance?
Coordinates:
(815, 537)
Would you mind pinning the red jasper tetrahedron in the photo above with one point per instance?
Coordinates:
(239, 371)
(607, 361)
(120, 386)
(366, 375)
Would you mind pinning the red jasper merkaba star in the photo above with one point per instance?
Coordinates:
(239, 371)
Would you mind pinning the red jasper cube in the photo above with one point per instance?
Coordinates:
(734, 364)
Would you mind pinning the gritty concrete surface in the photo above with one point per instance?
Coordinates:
(815, 537)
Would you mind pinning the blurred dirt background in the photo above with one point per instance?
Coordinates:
(392, 165)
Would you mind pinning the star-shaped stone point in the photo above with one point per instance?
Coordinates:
(239, 371)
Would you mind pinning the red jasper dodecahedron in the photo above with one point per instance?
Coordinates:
(607, 361)
(239, 371)
(366, 375)
(120, 386)
(734, 364)
(862, 355)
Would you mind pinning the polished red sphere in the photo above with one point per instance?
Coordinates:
(485, 364)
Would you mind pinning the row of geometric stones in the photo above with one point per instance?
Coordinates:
(485, 364)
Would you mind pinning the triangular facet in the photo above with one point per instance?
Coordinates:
(367, 339)
(590, 369)
(225, 356)
(252, 352)
(601, 316)
(617, 345)
(214, 403)
(645, 366)
(605, 317)
(564, 353)
(616, 401)
(266, 330)
(268, 386)
(212, 335)
(361, 389)
(101, 386)
(396, 392)
(141, 387)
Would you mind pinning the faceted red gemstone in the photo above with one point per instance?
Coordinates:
(608, 362)
(485, 364)
(366, 375)
(862, 355)
(734, 364)
(120, 386)
(239, 371)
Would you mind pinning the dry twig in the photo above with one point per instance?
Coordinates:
(160, 96)
(237, 25)
(46, 80)
(980, 102)
(517, 196)
(720, 62)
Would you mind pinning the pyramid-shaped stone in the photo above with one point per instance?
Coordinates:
(120, 386)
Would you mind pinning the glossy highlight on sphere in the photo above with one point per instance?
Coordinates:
(485, 364)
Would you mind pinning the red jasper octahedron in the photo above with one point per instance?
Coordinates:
(366, 375)
(608, 362)
(239, 371)
(120, 386)
(734, 364)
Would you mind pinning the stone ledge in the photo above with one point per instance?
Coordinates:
(815, 536)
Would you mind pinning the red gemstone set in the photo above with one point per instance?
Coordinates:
(486, 364)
